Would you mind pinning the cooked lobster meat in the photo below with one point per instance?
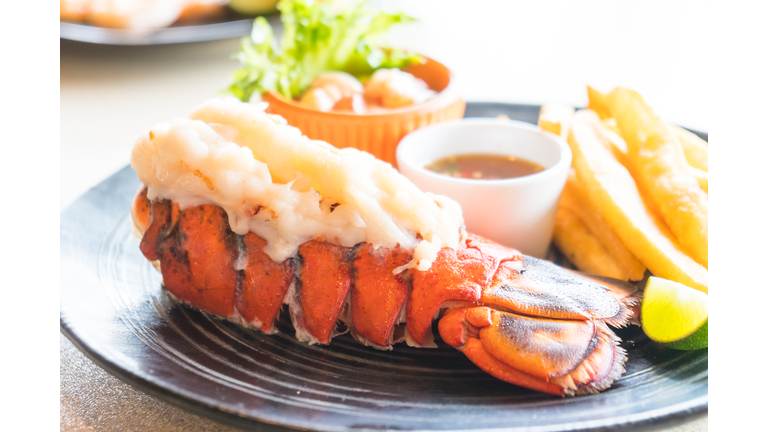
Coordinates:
(523, 320)
(246, 217)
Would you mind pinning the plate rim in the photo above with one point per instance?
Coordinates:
(213, 31)
(689, 410)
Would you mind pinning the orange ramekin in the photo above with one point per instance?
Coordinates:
(377, 133)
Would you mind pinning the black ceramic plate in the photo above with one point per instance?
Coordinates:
(114, 310)
(232, 25)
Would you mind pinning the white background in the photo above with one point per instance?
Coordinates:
(506, 51)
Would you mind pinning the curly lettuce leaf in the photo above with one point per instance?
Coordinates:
(318, 36)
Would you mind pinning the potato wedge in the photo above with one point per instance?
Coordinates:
(612, 136)
(583, 249)
(659, 166)
(611, 124)
(696, 149)
(598, 102)
(574, 199)
(698, 154)
(556, 118)
(702, 177)
(613, 192)
(613, 140)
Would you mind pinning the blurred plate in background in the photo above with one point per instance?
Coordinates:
(231, 26)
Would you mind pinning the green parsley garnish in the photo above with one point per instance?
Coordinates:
(318, 36)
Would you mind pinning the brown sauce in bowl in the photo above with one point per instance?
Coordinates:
(484, 167)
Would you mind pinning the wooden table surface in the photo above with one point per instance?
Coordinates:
(499, 51)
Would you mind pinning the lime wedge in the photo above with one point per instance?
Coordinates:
(675, 315)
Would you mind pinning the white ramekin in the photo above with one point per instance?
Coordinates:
(517, 212)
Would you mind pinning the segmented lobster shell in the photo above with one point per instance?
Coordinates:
(494, 298)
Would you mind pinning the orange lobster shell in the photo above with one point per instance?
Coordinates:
(523, 320)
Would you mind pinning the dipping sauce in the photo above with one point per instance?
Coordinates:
(484, 166)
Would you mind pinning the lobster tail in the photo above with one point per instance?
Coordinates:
(378, 295)
(560, 357)
(523, 320)
(264, 285)
(320, 291)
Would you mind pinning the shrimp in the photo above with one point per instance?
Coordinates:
(334, 90)
(197, 10)
(137, 14)
(393, 88)
(73, 10)
(132, 14)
